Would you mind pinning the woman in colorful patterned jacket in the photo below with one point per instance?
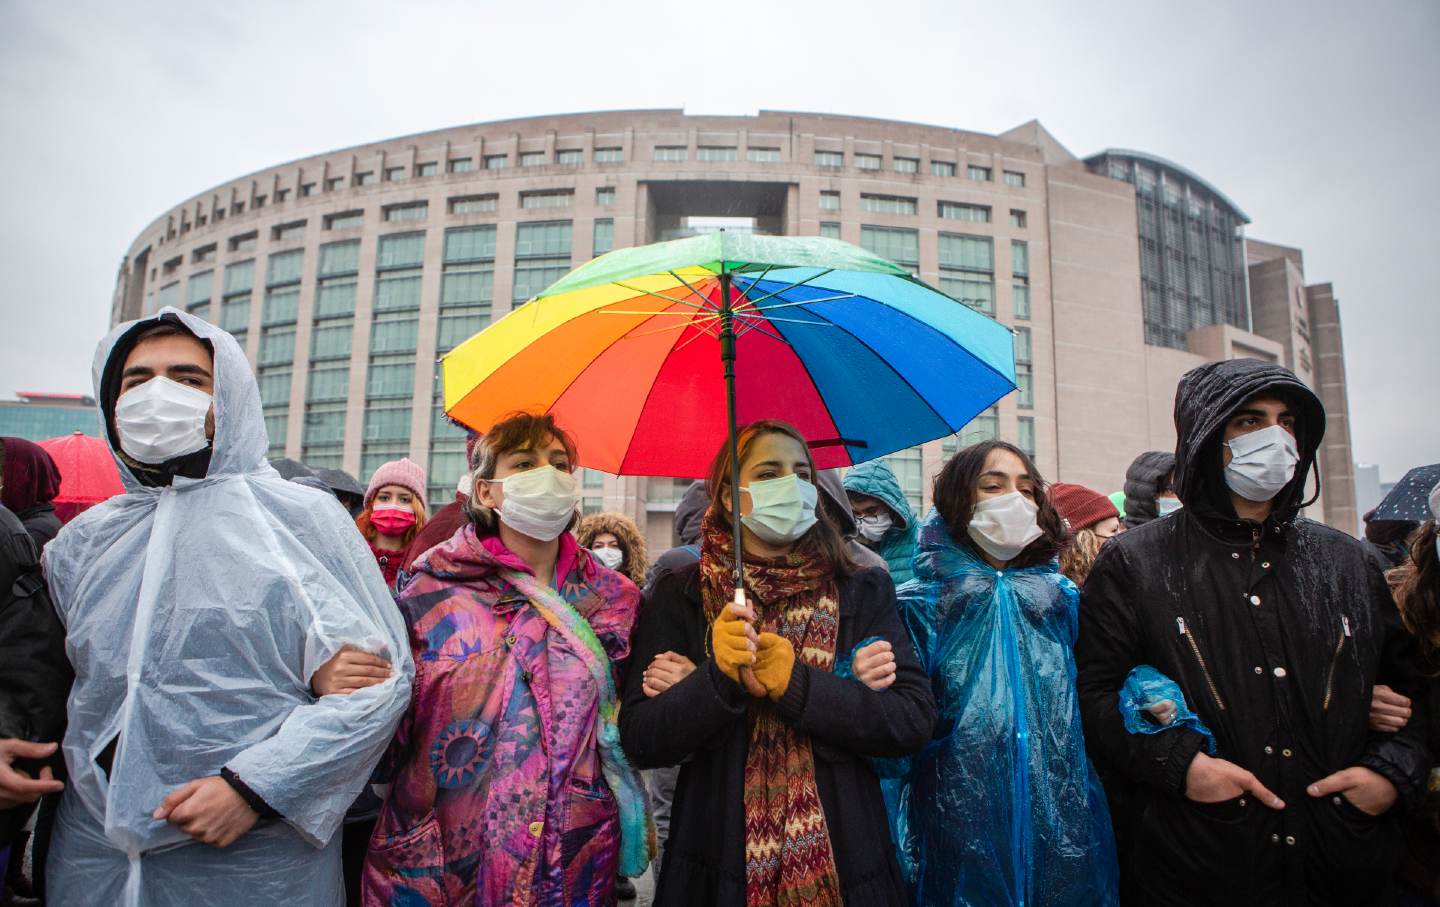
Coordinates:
(509, 784)
(776, 802)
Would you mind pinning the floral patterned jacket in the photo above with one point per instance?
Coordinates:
(498, 796)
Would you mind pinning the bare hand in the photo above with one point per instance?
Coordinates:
(1389, 711)
(874, 665)
(666, 670)
(1366, 790)
(16, 786)
(1211, 780)
(349, 670)
(208, 810)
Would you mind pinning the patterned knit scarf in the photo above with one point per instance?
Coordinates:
(637, 828)
(788, 857)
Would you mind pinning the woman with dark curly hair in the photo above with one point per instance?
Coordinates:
(616, 542)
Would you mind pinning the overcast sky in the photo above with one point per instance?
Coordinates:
(1318, 118)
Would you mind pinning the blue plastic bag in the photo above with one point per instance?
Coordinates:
(1150, 703)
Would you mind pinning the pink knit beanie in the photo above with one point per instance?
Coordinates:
(403, 472)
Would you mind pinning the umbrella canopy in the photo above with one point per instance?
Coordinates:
(88, 474)
(340, 481)
(627, 352)
(291, 469)
(1409, 500)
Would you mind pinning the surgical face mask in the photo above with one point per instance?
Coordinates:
(1005, 526)
(781, 510)
(161, 420)
(873, 527)
(1261, 463)
(392, 519)
(609, 557)
(539, 502)
(1168, 506)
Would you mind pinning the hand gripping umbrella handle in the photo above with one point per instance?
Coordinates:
(752, 684)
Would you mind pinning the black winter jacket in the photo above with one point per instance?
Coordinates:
(1276, 633)
(1142, 484)
(701, 722)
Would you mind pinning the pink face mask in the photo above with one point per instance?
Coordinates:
(392, 519)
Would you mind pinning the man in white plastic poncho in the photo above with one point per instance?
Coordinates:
(198, 606)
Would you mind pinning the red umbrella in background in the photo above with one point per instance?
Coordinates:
(88, 474)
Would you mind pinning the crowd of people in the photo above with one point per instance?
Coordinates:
(223, 686)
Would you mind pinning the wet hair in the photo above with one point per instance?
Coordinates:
(625, 532)
(1079, 556)
(367, 529)
(1416, 586)
(956, 494)
(517, 431)
(824, 535)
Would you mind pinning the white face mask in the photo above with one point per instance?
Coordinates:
(161, 420)
(873, 528)
(781, 510)
(1005, 526)
(609, 557)
(539, 502)
(1167, 506)
(1261, 463)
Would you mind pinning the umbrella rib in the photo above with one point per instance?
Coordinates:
(787, 305)
(798, 283)
(692, 305)
(712, 307)
(746, 302)
(700, 321)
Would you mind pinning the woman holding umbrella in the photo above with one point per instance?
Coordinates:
(777, 802)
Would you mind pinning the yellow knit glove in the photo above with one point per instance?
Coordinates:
(729, 644)
(774, 662)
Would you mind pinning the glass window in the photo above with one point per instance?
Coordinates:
(235, 315)
(395, 174)
(324, 431)
(545, 238)
(282, 305)
(550, 198)
(340, 258)
(829, 201)
(605, 196)
(984, 427)
(899, 245)
(1017, 218)
(979, 214)
(285, 267)
(1020, 281)
(239, 277)
(1024, 386)
(427, 168)
(335, 296)
(907, 466)
(671, 153)
(496, 161)
(867, 162)
(1025, 434)
(348, 220)
(394, 335)
(277, 347)
(365, 178)
(390, 378)
(307, 190)
(829, 159)
(387, 420)
(1015, 178)
(715, 153)
(203, 254)
(331, 339)
(276, 426)
(401, 250)
(168, 295)
(532, 158)
(397, 289)
(905, 164)
(542, 256)
(570, 157)
(1022, 345)
(830, 229)
(942, 168)
(609, 155)
(975, 172)
(474, 204)
(287, 232)
(244, 243)
(334, 183)
(967, 270)
(533, 275)
(592, 478)
(971, 253)
(461, 164)
(1020, 257)
(604, 236)
(198, 292)
(762, 155)
(412, 211)
(460, 324)
(887, 204)
(470, 243)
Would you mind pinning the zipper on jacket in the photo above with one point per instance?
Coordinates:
(1200, 659)
(1334, 661)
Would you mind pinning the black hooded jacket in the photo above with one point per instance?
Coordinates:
(1142, 484)
(1276, 633)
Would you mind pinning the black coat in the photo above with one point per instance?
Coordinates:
(700, 723)
(35, 675)
(42, 524)
(1276, 634)
(1142, 483)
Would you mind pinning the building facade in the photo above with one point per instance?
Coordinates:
(37, 416)
(346, 275)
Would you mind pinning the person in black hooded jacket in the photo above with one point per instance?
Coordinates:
(1150, 477)
(1276, 628)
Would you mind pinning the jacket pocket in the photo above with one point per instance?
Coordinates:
(408, 866)
(1335, 662)
(590, 840)
(1189, 637)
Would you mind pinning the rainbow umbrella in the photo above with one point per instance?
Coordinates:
(652, 355)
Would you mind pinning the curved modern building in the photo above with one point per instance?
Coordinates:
(348, 273)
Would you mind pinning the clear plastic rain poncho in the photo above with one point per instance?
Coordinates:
(1003, 807)
(195, 616)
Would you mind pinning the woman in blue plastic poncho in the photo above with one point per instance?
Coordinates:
(1003, 807)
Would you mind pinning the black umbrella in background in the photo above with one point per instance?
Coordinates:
(1409, 500)
(344, 487)
(291, 469)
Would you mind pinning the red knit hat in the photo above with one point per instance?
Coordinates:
(403, 472)
(1081, 507)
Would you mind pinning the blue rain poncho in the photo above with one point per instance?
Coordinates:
(1003, 807)
(196, 615)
